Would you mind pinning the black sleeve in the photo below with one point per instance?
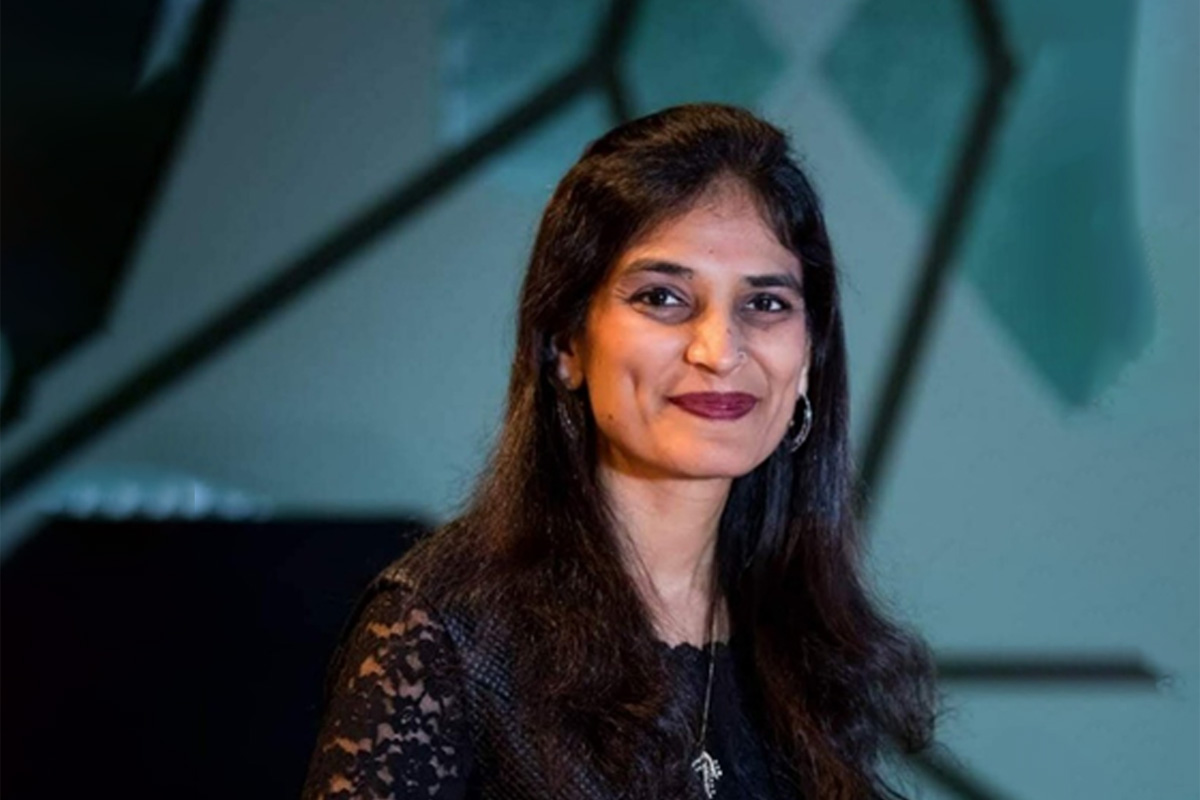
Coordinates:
(394, 725)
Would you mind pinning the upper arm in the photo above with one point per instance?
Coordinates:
(394, 726)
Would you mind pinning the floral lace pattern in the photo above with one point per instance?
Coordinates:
(395, 726)
(417, 711)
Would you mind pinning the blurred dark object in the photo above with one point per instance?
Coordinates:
(96, 96)
(175, 659)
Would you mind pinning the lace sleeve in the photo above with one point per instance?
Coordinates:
(394, 725)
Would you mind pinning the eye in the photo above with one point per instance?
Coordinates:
(769, 303)
(658, 297)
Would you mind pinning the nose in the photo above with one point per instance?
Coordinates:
(716, 343)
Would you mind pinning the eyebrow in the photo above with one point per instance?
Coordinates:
(783, 280)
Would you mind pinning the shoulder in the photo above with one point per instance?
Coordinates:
(392, 627)
(454, 570)
(413, 632)
(456, 585)
(395, 707)
(421, 594)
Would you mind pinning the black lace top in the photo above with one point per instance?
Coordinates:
(414, 713)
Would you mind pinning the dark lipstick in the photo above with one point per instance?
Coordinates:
(716, 405)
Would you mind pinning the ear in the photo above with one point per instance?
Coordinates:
(570, 365)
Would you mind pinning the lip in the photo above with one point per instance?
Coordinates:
(716, 405)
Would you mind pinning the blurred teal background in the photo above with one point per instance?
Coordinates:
(1042, 494)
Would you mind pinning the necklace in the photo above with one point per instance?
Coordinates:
(704, 764)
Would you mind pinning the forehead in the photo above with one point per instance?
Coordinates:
(722, 234)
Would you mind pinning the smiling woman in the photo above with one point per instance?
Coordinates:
(656, 590)
(695, 350)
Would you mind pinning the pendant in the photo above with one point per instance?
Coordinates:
(709, 771)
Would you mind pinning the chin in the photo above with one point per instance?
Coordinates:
(714, 462)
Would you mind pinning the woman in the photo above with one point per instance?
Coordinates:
(655, 590)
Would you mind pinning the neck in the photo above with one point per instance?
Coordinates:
(668, 529)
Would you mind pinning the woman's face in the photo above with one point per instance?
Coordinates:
(695, 348)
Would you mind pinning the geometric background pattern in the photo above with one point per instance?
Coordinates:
(1010, 186)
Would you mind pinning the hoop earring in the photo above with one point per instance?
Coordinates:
(793, 443)
(564, 418)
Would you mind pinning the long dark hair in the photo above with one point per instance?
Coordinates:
(835, 682)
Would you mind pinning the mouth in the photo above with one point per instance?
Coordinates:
(716, 405)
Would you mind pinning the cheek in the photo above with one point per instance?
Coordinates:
(629, 369)
(784, 362)
(614, 382)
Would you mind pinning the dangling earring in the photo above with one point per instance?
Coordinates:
(562, 404)
(793, 443)
(564, 418)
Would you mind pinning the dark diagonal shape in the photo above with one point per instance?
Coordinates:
(611, 40)
(952, 218)
(904, 364)
(618, 98)
(324, 259)
(89, 164)
(976, 669)
(939, 767)
(613, 34)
